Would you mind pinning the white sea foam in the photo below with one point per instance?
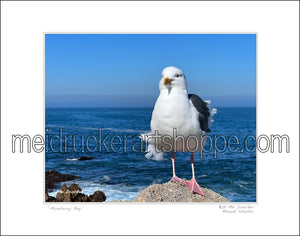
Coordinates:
(72, 159)
(105, 178)
(203, 176)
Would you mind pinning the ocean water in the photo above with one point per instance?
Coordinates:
(119, 167)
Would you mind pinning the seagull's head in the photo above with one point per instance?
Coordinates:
(172, 78)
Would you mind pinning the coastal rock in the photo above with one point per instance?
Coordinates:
(81, 198)
(97, 196)
(74, 194)
(53, 177)
(75, 190)
(84, 158)
(63, 194)
(49, 198)
(176, 192)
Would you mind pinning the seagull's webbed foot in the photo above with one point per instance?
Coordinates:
(194, 186)
(176, 179)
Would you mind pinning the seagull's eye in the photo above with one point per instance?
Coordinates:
(177, 75)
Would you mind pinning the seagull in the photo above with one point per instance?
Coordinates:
(179, 122)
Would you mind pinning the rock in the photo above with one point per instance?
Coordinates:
(97, 196)
(176, 192)
(75, 190)
(85, 158)
(63, 194)
(81, 198)
(74, 194)
(53, 177)
(49, 198)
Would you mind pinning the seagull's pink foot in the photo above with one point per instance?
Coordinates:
(176, 179)
(194, 186)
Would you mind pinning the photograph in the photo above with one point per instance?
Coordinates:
(150, 117)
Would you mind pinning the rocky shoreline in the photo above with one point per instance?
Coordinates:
(53, 177)
(73, 193)
(166, 192)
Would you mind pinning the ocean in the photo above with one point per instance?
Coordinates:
(118, 166)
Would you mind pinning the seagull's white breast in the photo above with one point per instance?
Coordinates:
(174, 111)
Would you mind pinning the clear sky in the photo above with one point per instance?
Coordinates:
(123, 70)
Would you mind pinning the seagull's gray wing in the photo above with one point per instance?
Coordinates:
(203, 110)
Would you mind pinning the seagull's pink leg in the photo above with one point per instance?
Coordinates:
(174, 178)
(193, 185)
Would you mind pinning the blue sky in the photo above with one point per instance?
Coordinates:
(123, 70)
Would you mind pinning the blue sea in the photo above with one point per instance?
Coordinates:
(118, 166)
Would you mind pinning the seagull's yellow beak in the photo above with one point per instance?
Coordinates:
(167, 81)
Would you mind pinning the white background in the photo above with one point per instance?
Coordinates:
(22, 104)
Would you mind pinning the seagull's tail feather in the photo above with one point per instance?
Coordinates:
(152, 153)
(212, 112)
